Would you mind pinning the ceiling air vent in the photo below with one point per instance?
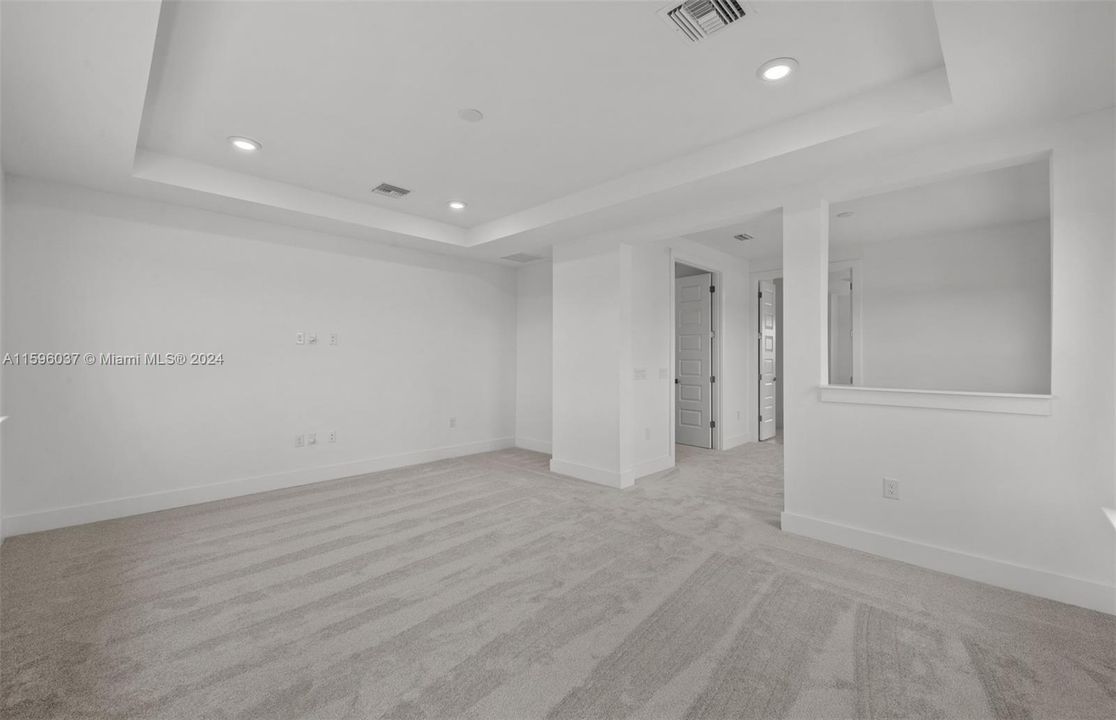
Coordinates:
(391, 191)
(522, 258)
(743, 237)
(698, 19)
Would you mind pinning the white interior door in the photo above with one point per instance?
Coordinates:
(767, 379)
(694, 361)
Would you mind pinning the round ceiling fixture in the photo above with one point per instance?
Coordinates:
(777, 70)
(470, 115)
(457, 205)
(845, 214)
(244, 144)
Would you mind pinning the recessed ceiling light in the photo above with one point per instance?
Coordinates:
(778, 69)
(244, 144)
(845, 214)
(456, 205)
(470, 115)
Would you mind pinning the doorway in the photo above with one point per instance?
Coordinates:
(769, 356)
(695, 350)
(843, 341)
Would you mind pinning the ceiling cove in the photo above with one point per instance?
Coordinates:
(339, 98)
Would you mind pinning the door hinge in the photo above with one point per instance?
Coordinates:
(675, 381)
(712, 378)
(760, 294)
(712, 288)
(712, 423)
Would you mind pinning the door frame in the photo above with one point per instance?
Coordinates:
(754, 329)
(753, 341)
(857, 317)
(718, 348)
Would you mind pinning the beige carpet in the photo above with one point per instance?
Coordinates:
(485, 587)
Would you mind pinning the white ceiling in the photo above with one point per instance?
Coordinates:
(347, 95)
(765, 228)
(600, 121)
(1003, 196)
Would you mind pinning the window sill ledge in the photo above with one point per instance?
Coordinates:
(1011, 403)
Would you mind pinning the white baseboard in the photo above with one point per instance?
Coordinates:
(165, 500)
(650, 467)
(736, 441)
(611, 478)
(1063, 588)
(526, 443)
(590, 474)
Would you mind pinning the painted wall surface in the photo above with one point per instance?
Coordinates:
(2, 413)
(1015, 500)
(967, 311)
(590, 349)
(612, 423)
(649, 429)
(422, 339)
(2, 346)
(534, 348)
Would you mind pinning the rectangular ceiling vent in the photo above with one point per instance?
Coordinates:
(743, 237)
(522, 258)
(391, 191)
(698, 19)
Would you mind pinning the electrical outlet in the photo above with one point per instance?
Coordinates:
(646, 433)
(300, 338)
(333, 436)
(334, 338)
(311, 438)
(300, 441)
(453, 422)
(739, 415)
(891, 488)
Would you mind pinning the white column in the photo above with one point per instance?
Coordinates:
(805, 289)
(591, 341)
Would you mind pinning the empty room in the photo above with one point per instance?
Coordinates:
(557, 359)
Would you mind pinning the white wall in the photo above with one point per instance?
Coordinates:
(591, 353)
(649, 429)
(613, 422)
(1011, 499)
(966, 311)
(534, 347)
(2, 347)
(423, 338)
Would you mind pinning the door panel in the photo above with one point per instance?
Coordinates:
(766, 344)
(694, 361)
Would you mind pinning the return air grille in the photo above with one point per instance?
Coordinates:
(522, 257)
(743, 237)
(391, 191)
(698, 19)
